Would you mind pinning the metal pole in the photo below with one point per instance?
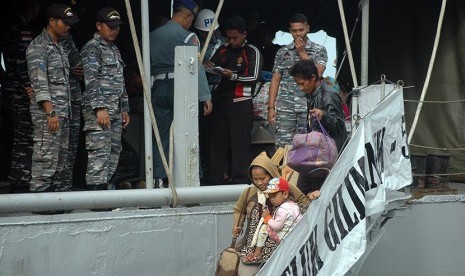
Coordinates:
(114, 199)
(383, 88)
(171, 9)
(365, 41)
(185, 119)
(147, 122)
(147, 97)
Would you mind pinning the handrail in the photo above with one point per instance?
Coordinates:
(29, 202)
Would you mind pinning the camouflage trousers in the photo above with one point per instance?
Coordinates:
(50, 153)
(74, 128)
(103, 148)
(21, 155)
(288, 123)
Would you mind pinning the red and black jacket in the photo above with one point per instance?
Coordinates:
(246, 62)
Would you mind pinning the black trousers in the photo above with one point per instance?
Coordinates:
(231, 125)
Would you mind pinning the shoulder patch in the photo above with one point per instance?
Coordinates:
(287, 56)
(42, 66)
(92, 55)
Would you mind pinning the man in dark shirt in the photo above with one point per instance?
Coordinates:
(232, 115)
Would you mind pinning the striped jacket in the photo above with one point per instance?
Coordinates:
(247, 63)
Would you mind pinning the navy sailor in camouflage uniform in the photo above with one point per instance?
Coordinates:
(48, 68)
(17, 91)
(105, 100)
(287, 109)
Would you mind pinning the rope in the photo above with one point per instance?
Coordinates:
(346, 38)
(428, 74)
(147, 96)
(350, 39)
(434, 148)
(398, 83)
(438, 102)
(439, 174)
(171, 160)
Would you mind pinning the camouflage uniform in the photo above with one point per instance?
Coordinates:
(75, 115)
(48, 67)
(16, 78)
(291, 102)
(103, 77)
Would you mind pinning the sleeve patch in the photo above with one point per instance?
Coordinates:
(92, 56)
(42, 66)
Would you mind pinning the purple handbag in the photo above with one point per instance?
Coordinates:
(312, 153)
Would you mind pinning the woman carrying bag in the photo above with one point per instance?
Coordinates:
(325, 106)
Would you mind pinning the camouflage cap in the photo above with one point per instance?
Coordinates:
(109, 16)
(63, 12)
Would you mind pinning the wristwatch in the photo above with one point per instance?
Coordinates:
(51, 113)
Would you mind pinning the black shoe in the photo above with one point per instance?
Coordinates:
(21, 189)
(102, 210)
(49, 189)
(100, 187)
(6, 189)
(57, 212)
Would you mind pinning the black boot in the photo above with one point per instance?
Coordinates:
(16, 189)
(99, 187)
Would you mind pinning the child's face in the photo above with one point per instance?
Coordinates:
(260, 178)
(278, 198)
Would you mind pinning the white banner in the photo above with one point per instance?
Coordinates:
(331, 236)
(371, 95)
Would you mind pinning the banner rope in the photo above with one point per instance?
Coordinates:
(435, 148)
(436, 102)
(439, 174)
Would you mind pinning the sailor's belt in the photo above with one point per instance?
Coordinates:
(164, 76)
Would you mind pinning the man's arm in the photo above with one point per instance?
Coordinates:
(37, 64)
(273, 93)
(91, 64)
(204, 91)
(320, 59)
(254, 66)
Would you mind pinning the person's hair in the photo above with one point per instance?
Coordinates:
(298, 18)
(181, 10)
(305, 69)
(236, 22)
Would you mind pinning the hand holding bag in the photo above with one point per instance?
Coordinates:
(313, 153)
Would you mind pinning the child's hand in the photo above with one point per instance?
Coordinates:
(236, 231)
(314, 195)
(265, 213)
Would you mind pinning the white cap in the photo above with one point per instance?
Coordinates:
(204, 20)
